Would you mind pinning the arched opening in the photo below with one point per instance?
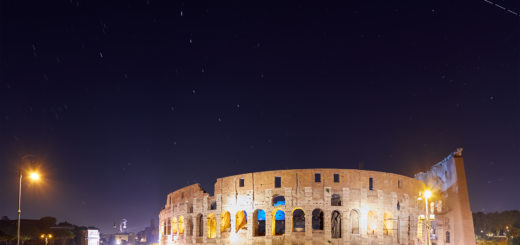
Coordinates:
(181, 225)
(298, 220)
(354, 221)
(259, 223)
(211, 226)
(225, 222)
(335, 200)
(371, 223)
(189, 225)
(388, 224)
(240, 220)
(335, 224)
(213, 205)
(174, 226)
(200, 225)
(278, 200)
(317, 219)
(278, 222)
(420, 227)
(168, 227)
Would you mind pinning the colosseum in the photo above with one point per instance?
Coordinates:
(324, 206)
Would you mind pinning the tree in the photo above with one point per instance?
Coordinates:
(64, 235)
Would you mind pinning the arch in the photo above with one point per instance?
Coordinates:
(335, 200)
(354, 221)
(211, 226)
(298, 220)
(180, 223)
(278, 200)
(168, 227)
(420, 227)
(259, 223)
(317, 219)
(200, 225)
(174, 226)
(335, 224)
(240, 220)
(278, 222)
(371, 223)
(213, 205)
(189, 226)
(225, 222)
(388, 224)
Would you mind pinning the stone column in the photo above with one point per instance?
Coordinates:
(195, 230)
(327, 222)
(268, 224)
(205, 228)
(218, 228)
(308, 224)
(233, 221)
(380, 215)
(363, 215)
(288, 221)
(250, 219)
(345, 226)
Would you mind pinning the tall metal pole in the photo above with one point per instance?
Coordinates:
(19, 207)
(427, 221)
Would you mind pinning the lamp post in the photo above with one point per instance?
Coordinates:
(427, 194)
(34, 176)
(46, 237)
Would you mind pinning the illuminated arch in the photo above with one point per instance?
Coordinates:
(278, 200)
(278, 222)
(354, 221)
(211, 226)
(420, 227)
(388, 224)
(240, 220)
(298, 220)
(180, 222)
(371, 223)
(174, 226)
(225, 222)
(317, 219)
(259, 223)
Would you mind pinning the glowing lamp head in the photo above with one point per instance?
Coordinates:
(427, 194)
(50, 235)
(42, 236)
(35, 176)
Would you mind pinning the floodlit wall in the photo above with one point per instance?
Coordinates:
(301, 206)
(455, 219)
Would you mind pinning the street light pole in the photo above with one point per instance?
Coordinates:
(427, 221)
(19, 206)
(34, 176)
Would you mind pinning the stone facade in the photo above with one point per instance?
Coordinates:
(304, 206)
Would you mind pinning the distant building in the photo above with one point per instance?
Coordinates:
(149, 235)
(90, 237)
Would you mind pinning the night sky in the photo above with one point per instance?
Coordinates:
(124, 102)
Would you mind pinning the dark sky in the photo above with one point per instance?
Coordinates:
(125, 102)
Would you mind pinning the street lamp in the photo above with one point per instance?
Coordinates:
(46, 237)
(33, 176)
(427, 194)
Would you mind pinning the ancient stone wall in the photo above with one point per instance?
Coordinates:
(339, 206)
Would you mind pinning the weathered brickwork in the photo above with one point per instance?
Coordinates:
(301, 206)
